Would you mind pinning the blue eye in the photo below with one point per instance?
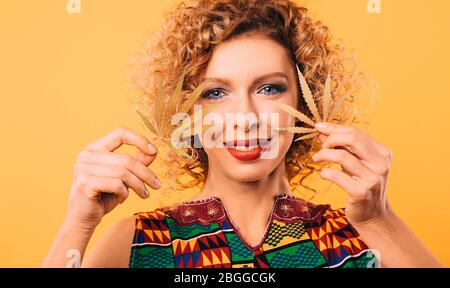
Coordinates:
(213, 94)
(272, 89)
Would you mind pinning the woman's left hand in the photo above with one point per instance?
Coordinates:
(365, 167)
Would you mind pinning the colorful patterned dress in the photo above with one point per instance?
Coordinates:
(200, 234)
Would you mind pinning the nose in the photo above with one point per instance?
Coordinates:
(249, 124)
(245, 106)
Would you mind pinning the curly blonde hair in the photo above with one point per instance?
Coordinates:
(185, 45)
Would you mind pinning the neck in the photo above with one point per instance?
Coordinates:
(239, 194)
(249, 204)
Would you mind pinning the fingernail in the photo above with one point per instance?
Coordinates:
(157, 183)
(147, 194)
(321, 125)
(152, 149)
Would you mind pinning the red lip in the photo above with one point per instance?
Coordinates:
(247, 155)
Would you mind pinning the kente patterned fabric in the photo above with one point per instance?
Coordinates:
(200, 234)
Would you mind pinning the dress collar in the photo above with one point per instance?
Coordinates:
(286, 208)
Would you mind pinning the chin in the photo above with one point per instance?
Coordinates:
(246, 169)
(249, 173)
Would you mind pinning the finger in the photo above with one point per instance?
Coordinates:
(354, 141)
(343, 180)
(124, 160)
(382, 150)
(348, 161)
(110, 186)
(118, 172)
(144, 158)
(361, 148)
(120, 136)
(328, 128)
(91, 156)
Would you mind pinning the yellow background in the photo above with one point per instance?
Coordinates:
(62, 85)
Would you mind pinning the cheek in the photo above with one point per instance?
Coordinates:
(218, 157)
(284, 119)
(285, 143)
(212, 137)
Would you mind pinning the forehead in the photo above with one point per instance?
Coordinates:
(247, 56)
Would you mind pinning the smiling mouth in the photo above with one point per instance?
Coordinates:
(248, 144)
(248, 149)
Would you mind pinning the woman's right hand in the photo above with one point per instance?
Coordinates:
(102, 177)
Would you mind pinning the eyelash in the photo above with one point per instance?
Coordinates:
(279, 88)
(209, 92)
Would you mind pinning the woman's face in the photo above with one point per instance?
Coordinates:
(245, 74)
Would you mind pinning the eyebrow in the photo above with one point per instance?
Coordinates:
(258, 79)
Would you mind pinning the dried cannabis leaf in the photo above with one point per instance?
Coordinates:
(147, 123)
(308, 96)
(337, 106)
(326, 100)
(308, 136)
(189, 125)
(327, 116)
(161, 125)
(175, 100)
(300, 130)
(190, 101)
(297, 114)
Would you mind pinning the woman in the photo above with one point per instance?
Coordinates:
(245, 214)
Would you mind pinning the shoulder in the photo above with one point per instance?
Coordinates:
(161, 233)
(320, 219)
(112, 249)
(151, 227)
(152, 241)
(162, 225)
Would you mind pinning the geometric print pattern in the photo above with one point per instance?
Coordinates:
(207, 251)
(335, 238)
(292, 239)
(152, 229)
(288, 245)
(260, 260)
(304, 255)
(281, 232)
(366, 260)
(152, 257)
(241, 256)
(189, 231)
